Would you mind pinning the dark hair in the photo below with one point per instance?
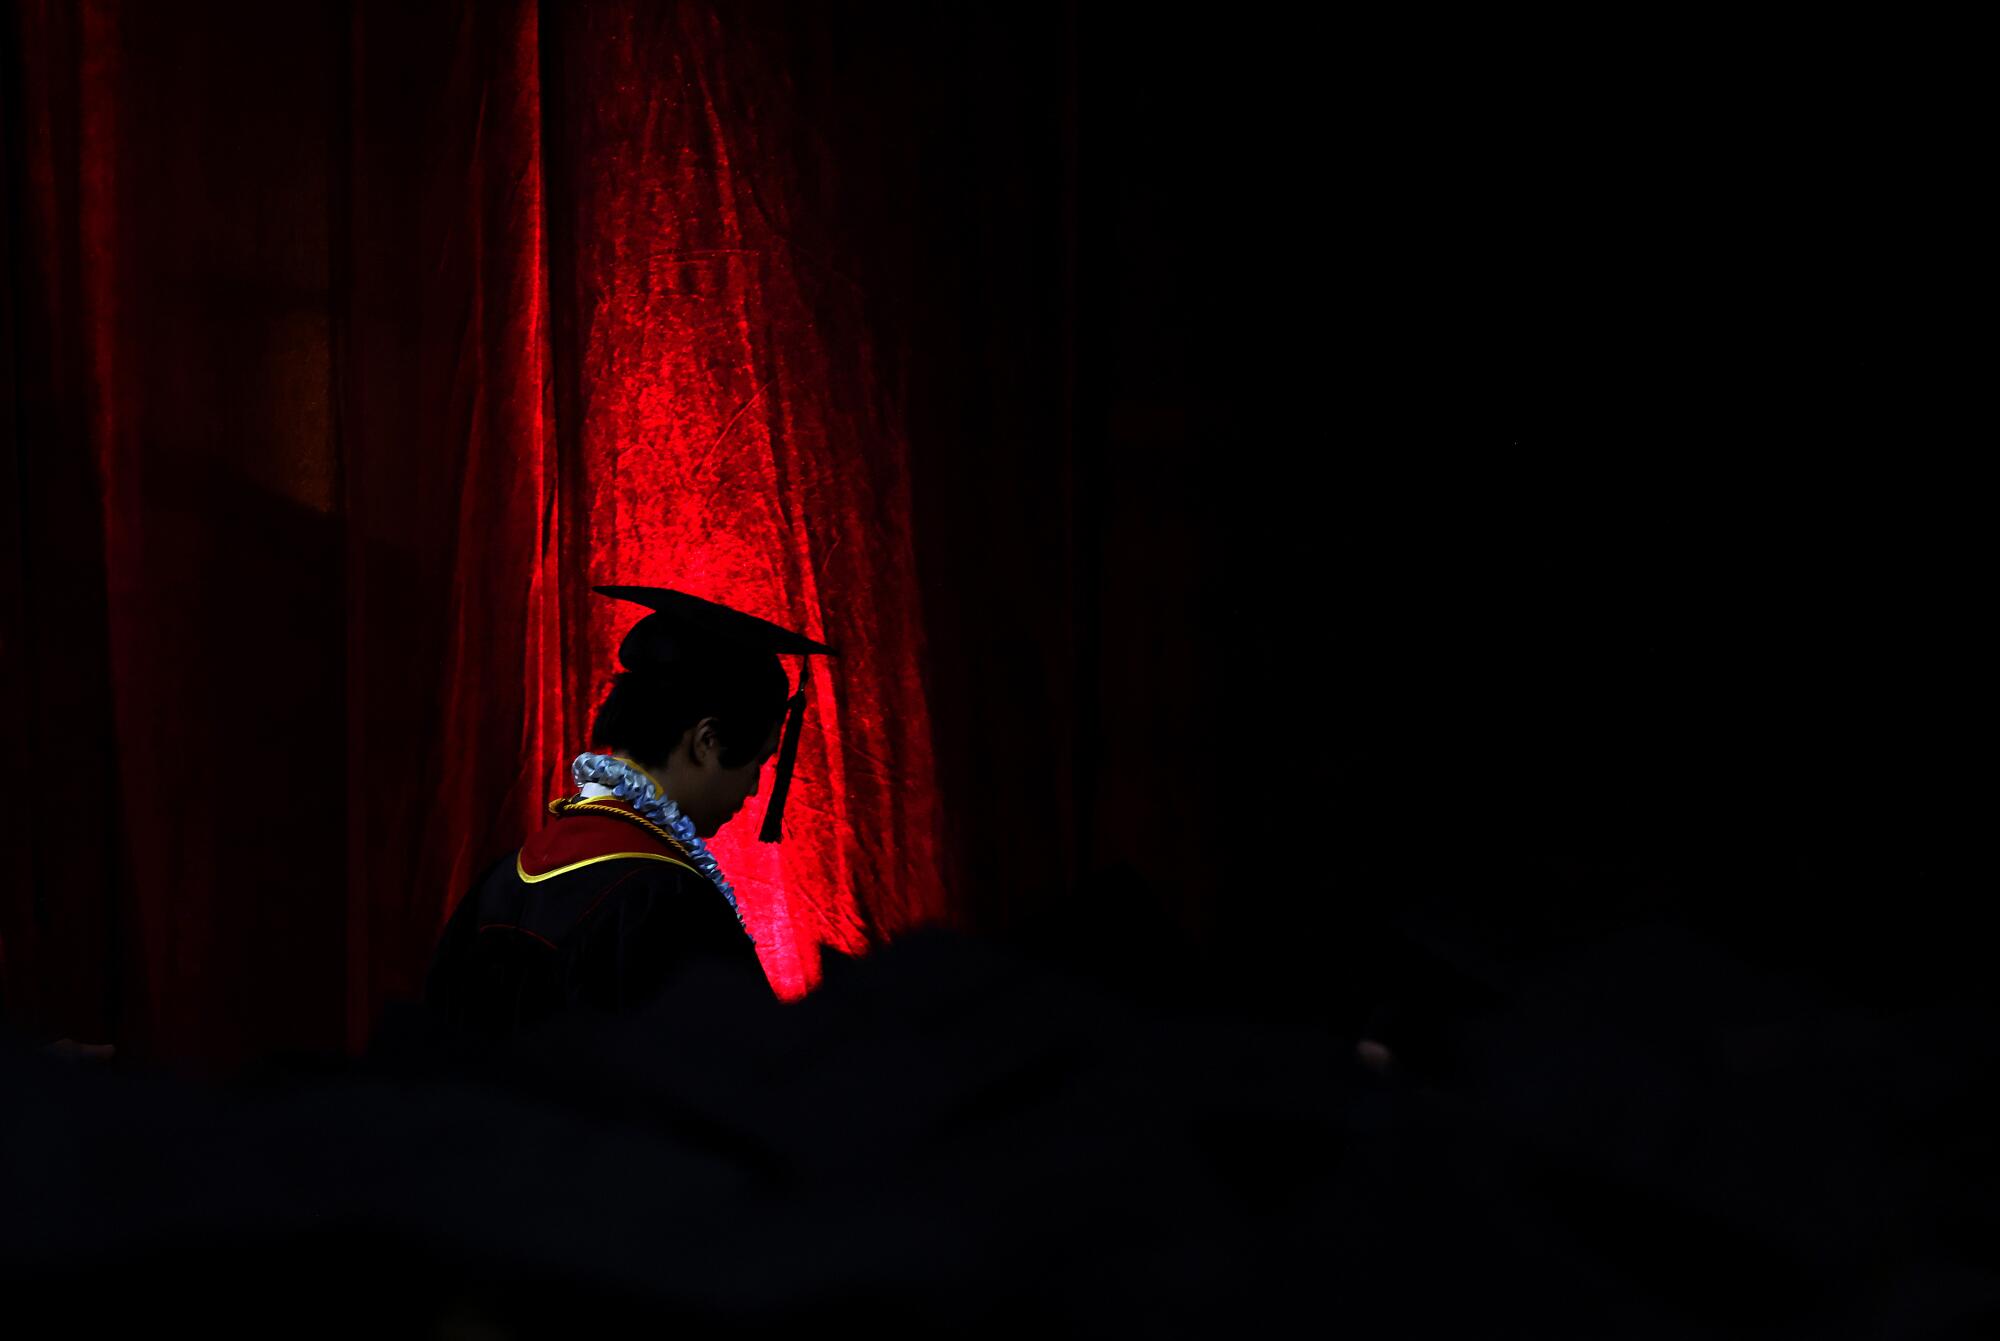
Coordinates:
(647, 712)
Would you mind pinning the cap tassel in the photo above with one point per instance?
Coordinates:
(788, 755)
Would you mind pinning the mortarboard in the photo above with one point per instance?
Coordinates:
(685, 630)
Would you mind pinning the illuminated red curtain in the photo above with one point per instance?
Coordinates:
(353, 343)
(730, 437)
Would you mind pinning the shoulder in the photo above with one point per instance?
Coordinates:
(618, 899)
(641, 920)
(586, 834)
(600, 871)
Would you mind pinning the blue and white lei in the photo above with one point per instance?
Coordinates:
(631, 785)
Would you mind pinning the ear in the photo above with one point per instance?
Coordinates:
(703, 743)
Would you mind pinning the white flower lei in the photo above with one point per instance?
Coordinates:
(632, 786)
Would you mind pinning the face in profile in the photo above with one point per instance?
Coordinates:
(720, 792)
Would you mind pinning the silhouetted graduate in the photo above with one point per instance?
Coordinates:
(618, 893)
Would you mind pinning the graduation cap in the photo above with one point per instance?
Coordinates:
(685, 631)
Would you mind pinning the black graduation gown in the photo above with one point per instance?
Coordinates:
(601, 909)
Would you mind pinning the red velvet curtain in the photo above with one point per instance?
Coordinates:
(350, 344)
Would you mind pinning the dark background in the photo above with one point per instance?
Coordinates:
(1438, 488)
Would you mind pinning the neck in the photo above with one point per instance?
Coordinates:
(621, 775)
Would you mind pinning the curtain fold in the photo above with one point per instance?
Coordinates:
(452, 478)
